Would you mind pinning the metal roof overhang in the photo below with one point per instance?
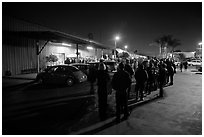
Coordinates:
(54, 36)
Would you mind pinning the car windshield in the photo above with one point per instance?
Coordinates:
(73, 69)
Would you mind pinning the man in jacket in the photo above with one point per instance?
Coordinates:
(130, 71)
(141, 78)
(120, 82)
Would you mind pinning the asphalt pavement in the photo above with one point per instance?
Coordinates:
(146, 117)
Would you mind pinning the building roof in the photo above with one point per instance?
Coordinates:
(20, 27)
(54, 36)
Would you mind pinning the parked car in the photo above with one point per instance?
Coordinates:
(194, 63)
(177, 63)
(199, 67)
(81, 66)
(61, 74)
(111, 65)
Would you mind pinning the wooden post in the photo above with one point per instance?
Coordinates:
(102, 53)
(77, 52)
(38, 56)
(96, 53)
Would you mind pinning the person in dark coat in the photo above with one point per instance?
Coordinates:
(141, 77)
(185, 64)
(170, 73)
(120, 82)
(130, 71)
(181, 66)
(150, 80)
(161, 78)
(102, 81)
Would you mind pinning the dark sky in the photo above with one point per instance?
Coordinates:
(138, 24)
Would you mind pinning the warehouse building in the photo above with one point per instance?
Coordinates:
(28, 47)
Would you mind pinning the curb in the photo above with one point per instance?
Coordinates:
(10, 77)
(28, 110)
(17, 85)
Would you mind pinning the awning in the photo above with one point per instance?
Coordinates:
(54, 36)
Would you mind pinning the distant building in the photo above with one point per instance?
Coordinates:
(180, 56)
(198, 52)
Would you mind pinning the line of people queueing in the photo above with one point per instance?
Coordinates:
(149, 76)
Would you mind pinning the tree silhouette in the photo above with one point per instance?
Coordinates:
(168, 41)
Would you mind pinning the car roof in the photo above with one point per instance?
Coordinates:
(106, 61)
(72, 64)
(64, 65)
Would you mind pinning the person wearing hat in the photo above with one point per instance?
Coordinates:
(120, 82)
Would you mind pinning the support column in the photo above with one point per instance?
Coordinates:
(102, 53)
(38, 51)
(77, 51)
(96, 53)
(38, 56)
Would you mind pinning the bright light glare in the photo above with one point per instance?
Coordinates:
(65, 44)
(200, 43)
(90, 47)
(117, 38)
(126, 46)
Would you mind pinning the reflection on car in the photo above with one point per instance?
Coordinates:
(111, 65)
(61, 74)
(194, 63)
(81, 66)
(177, 63)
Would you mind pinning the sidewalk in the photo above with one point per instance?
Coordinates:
(17, 80)
(98, 125)
(175, 114)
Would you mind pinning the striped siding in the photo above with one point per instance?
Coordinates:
(17, 58)
(18, 53)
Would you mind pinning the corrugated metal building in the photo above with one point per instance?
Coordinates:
(26, 45)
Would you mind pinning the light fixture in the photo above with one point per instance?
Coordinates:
(65, 44)
(117, 38)
(89, 47)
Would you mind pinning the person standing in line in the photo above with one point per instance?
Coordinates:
(120, 82)
(185, 65)
(170, 70)
(150, 80)
(141, 77)
(181, 66)
(102, 81)
(130, 71)
(161, 78)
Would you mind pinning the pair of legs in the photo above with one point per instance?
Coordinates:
(121, 104)
(102, 103)
(139, 88)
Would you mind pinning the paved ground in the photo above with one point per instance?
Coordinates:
(178, 113)
(181, 111)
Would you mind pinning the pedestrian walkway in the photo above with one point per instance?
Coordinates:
(101, 125)
(178, 113)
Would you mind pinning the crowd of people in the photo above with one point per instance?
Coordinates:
(149, 75)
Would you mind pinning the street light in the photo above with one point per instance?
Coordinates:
(200, 43)
(116, 39)
(126, 47)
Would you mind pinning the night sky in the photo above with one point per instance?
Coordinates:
(138, 24)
